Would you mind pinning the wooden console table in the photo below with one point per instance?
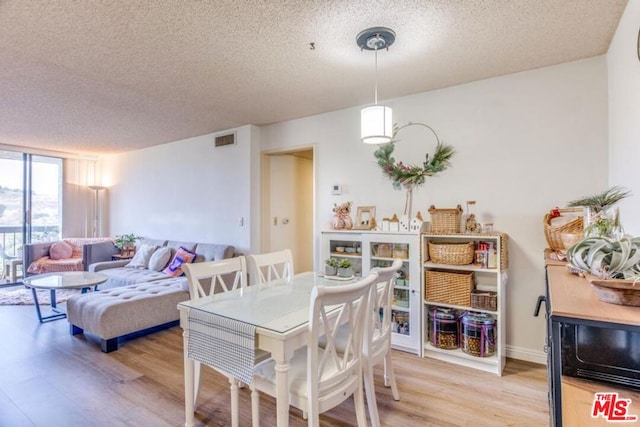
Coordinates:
(571, 301)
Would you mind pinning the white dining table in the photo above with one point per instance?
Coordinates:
(279, 311)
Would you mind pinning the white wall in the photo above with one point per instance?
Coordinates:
(525, 143)
(624, 114)
(186, 190)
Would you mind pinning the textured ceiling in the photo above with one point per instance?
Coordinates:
(110, 76)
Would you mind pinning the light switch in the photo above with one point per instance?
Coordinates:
(275, 220)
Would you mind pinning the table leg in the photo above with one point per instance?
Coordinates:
(188, 383)
(42, 318)
(282, 392)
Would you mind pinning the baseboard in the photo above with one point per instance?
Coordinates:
(527, 354)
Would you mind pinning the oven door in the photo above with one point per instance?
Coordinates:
(601, 351)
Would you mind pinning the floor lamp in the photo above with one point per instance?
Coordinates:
(96, 214)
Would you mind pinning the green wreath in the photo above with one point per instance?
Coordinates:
(410, 176)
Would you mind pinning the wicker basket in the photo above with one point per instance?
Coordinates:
(449, 288)
(484, 300)
(554, 234)
(451, 253)
(445, 221)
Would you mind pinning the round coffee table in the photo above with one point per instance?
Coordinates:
(83, 280)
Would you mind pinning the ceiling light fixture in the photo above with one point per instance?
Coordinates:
(376, 122)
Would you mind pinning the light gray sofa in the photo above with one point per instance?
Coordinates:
(135, 301)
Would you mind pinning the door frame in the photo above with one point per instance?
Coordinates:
(265, 220)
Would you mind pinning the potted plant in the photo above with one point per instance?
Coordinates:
(125, 242)
(331, 267)
(345, 268)
(601, 215)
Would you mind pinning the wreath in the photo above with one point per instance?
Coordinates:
(410, 176)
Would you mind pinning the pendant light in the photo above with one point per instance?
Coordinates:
(376, 121)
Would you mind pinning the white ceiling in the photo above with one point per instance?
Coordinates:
(99, 77)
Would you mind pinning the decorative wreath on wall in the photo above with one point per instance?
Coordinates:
(411, 176)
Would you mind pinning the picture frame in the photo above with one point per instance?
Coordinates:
(365, 218)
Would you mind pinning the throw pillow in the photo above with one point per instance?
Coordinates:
(60, 250)
(160, 259)
(142, 256)
(182, 256)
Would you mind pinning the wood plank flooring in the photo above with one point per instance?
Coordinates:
(50, 378)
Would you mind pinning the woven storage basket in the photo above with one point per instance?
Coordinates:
(446, 221)
(451, 253)
(485, 300)
(449, 288)
(553, 234)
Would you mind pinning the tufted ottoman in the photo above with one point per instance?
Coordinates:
(125, 310)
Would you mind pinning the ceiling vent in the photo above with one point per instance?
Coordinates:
(228, 139)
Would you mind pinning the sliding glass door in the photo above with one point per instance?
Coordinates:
(30, 199)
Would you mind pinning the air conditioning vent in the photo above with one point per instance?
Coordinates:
(222, 140)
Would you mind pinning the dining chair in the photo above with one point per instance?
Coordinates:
(207, 278)
(377, 341)
(270, 266)
(322, 378)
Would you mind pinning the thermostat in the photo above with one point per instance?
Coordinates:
(336, 189)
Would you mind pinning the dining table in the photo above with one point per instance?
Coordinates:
(225, 329)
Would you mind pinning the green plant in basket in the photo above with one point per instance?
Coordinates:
(331, 262)
(344, 263)
(125, 241)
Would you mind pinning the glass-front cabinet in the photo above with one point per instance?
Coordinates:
(368, 249)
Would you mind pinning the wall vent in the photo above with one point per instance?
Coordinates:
(228, 139)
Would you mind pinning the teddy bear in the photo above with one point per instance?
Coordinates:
(342, 216)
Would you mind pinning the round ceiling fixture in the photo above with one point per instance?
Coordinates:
(376, 38)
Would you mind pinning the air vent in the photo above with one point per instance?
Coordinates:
(228, 139)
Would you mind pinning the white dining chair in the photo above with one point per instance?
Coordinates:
(207, 278)
(377, 341)
(270, 266)
(322, 378)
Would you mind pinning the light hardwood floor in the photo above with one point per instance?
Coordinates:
(49, 378)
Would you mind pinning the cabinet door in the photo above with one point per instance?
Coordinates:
(406, 321)
(344, 246)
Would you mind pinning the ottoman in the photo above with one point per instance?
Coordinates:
(135, 309)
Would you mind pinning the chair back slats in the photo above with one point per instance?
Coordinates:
(331, 371)
(209, 277)
(271, 266)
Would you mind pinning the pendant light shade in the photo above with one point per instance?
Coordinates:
(376, 121)
(376, 124)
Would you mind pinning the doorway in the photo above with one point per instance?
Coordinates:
(288, 204)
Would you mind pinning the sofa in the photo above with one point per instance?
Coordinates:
(43, 257)
(136, 300)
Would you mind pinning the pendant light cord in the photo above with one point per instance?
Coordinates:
(376, 76)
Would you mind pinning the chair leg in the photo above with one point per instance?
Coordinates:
(390, 376)
(234, 402)
(370, 390)
(255, 408)
(358, 401)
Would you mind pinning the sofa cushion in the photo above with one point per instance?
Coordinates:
(123, 276)
(183, 255)
(213, 252)
(60, 250)
(160, 259)
(142, 256)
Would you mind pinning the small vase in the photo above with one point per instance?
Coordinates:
(603, 223)
(345, 272)
(330, 271)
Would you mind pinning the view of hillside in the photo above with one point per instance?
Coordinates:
(46, 213)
